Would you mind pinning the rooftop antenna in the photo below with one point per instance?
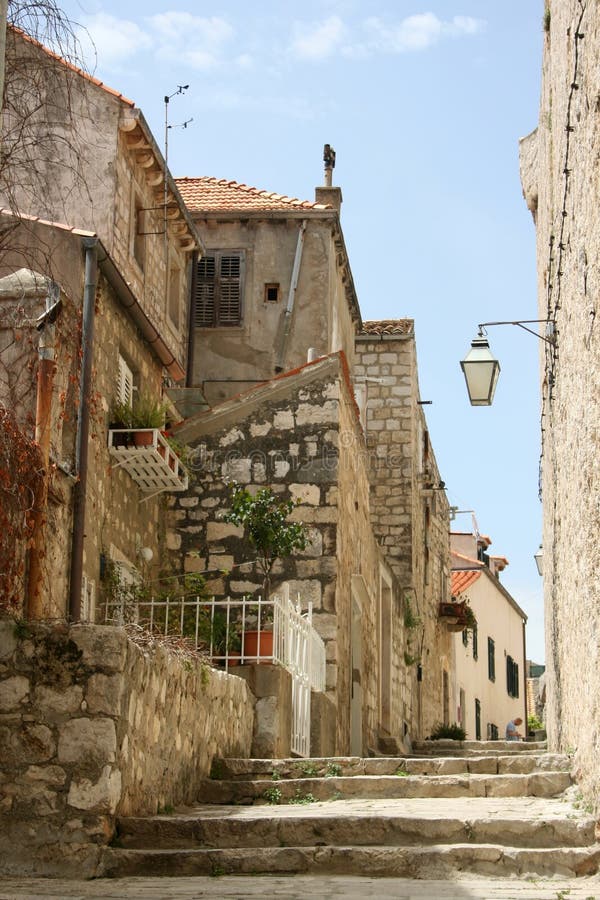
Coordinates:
(181, 89)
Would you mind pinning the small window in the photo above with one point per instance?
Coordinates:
(491, 659)
(492, 732)
(475, 643)
(512, 677)
(271, 293)
(219, 290)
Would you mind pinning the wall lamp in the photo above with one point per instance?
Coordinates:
(539, 560)
(481, 369)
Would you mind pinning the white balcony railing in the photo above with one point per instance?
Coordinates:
(146, 455)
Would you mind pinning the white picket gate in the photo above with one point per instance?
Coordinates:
(248, 630)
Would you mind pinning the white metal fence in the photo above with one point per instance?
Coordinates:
(248, 630)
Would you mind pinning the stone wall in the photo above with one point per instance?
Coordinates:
(409, 510)
(559, 167)
(93, 725)
(300, 436)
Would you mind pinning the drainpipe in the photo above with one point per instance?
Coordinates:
(43, 422)
(287, 319)
(83, 426)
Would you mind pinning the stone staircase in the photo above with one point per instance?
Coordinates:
(501, 810)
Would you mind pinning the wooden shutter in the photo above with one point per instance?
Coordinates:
(125, 382)
(204, 301)
(219, 290)
(230, 294)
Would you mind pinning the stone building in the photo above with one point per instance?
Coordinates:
(274, 282)
(559, 172)
(122, 329)
(491, 667)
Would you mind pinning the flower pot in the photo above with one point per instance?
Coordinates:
(143, 438)
(252, 648)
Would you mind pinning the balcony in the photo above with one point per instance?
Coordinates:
(146, 455)
(454, 615)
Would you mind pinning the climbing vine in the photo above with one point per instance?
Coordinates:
(21, 478)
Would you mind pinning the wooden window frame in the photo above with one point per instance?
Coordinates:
(215, 305)
(491, 659)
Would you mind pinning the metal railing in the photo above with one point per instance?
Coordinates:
(242, 631)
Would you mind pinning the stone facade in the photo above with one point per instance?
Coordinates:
(93, 725)
(409, 509)
(300, 435)
(559, 167)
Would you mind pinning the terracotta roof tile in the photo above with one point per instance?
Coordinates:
(68, 65)
(208, 194)
(388, 326)
(462, 580)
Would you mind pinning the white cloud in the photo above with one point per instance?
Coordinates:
(194, 40)
(112, 40)
(418, 32)
(319, 39)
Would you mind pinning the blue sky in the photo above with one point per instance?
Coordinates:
(424, 103)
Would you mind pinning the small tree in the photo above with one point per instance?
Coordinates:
(264, 519)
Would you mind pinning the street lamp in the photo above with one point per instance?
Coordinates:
(539, 560)
(481, 369)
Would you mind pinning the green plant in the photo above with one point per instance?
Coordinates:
(165, 810)
(401, 773)
(453, 732)
(547, 19)
(275, 775)
(264, 519)
(148, 412)
(534, 723)
(21, 630)
(272, 795)
(409, 659)
(120, 414)
(410, 619)
(301, 799)
(333, 770)
(308, 770)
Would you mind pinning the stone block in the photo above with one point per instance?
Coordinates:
(218, 531)
(309, 591)
(306, 493)
(51, 702)
(53, 775)
(103, 647)
(313, 414)
(322, 725)
(31, 743)
(8, 638)
(87, 741)
(283, 420)
(13, 691)
(100, 796)
(104, 694)
(260, 429)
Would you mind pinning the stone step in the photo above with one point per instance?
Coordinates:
(344, 766)
(534, 824)
(381, 787)
(444, 747)
(431, 862)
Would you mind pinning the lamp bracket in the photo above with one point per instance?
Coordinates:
(522, 323)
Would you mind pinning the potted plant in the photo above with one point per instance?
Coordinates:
(264, 517)
(120, 416)
(148, 412)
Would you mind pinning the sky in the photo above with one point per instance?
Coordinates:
(424, 103)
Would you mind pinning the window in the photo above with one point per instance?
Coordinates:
(492, 732)
(491, 659)
(124, 383)
(512, 677)
(477, 720)
(219, 290)
(475, 643)
(271, 293)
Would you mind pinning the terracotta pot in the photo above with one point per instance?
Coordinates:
(143, 438)
(251, 648)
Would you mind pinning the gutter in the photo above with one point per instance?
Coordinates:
(83, 426)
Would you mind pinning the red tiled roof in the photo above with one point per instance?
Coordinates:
(388, 326)
(462, 580)
(208, 194)
(68, 65)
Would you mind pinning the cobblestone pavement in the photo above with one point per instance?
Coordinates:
(300, 887)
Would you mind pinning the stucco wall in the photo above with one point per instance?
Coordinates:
(560, 177)
(92, 725)
(320, 317)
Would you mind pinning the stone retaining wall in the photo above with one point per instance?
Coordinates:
(93, 725)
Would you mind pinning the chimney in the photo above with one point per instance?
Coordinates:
(329, 195)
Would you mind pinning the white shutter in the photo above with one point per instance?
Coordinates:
(125, 382)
